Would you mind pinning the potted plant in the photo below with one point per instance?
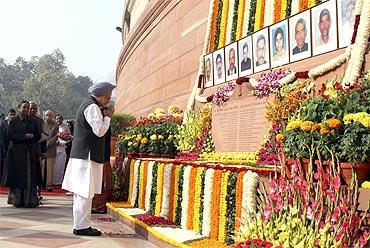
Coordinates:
(355, 147)
(119, 124)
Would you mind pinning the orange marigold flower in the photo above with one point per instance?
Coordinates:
(324, 130)
(307, 125)
(316, 127)
(280, 138)
(334, 123)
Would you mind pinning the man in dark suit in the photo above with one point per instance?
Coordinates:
(4, 140)
(246, 62)
(300, 36)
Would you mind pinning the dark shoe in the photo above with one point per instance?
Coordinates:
(50, 190)
(87, 232)
(98, 211)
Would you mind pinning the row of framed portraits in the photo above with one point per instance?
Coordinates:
(324, 28)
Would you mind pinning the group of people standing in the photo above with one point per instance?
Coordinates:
(34, 153)
(30, 143)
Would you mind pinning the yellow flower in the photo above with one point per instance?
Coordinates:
(151, 116)
(129, 143)
(334, 123)
(173, 109)
(365, 185)
(307, 125)
(135, 144)
(138, 138)
(170, 137)
(160, 137)
(159, 111)
(153, 137)
(365, 121)
(280, 138)
(121, 136)
(144, 140)
(293, 125)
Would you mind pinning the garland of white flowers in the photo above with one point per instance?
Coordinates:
(247, 11)
(185, 198)
(149, 184)
(250, 182)
(295, 7)
(166, 191)
(135, 182)
(229, 24)
(207, 202)
(196, 90)
(358, 55)
(269, 13)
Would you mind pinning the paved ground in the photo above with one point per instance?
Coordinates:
(50, 225)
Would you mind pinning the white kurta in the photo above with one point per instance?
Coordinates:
(61, 157)
(84, 177)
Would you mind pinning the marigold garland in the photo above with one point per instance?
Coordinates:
(240, 22)
(208, 243)
(213, 27)
(215, 204)
(238, 199)
(277, 12)
(193, 174)
(185, 197)
(303, 5)
(311, 3)
(283, 9)
(142, 184)
(223, 25)
(158, 198)
(223, 207)
(218, 25)
(258, 15)
(262, 19)
(131, 184)
(197, 199)
(173, 185)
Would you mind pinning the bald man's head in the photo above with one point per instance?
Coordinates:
(48, 115)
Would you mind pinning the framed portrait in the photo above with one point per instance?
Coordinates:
(208, 71)
(300, 36)
(261, 51)
(279, 48)
(346, 21)
(324, 27)
(219, 66)
(245, 49)
(231, 60)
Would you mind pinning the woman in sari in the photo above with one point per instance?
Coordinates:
(23, 171)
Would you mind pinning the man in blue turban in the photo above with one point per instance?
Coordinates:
(84, 173)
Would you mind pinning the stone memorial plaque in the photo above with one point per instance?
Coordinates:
(240, 125)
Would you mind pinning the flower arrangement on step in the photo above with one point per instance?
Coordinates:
(154, 134)
(195, 137)
(300, 213)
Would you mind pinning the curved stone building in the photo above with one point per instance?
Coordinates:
(158, 63)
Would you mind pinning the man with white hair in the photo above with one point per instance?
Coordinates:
(83, 176)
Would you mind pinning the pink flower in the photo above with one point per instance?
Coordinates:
(336, 183)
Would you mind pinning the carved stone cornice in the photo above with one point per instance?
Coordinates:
(154, 12)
